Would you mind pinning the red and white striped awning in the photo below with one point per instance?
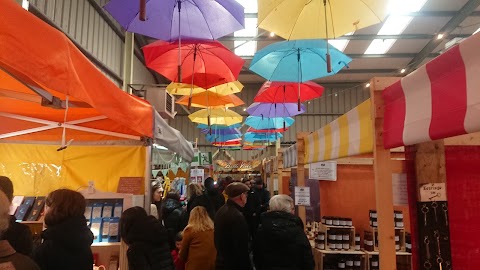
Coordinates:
(440, 99)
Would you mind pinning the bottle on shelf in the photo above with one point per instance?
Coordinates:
(332, 239)
(346, 240)
(357, 242)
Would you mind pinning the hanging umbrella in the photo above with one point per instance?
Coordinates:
(209, 99)
(319, 18)
(222, 89)
(286, 92)
(260, 136)
(216, 127)
(298, 61)
(177, 19)
(226, 131)
(252, 130)
(222, 138)
(199, 19)
(204, 63)
(236, 142)
(216, 116)
(274, 109)
(258, 122)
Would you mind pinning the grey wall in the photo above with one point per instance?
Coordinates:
(80, 20)
(334, 103)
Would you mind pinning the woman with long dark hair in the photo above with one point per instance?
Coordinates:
(67, 239)
(147, 241)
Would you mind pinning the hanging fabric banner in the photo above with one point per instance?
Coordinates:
(350, 134)
(290, 157)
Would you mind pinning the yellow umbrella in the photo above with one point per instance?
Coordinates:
(208, 99)
(184, 89)
(305, 19)
(216, 116)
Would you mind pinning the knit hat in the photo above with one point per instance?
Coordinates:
(235, 189)
(6, 186)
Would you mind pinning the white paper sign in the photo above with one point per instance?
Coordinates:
(302, 196)
(323, 171)
(275, 183)
(433, 192)
(399, 187)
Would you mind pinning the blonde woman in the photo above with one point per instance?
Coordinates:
(198, 248)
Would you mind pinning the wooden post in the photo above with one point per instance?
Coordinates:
(280, 171)
(301, 170)
(383, 177)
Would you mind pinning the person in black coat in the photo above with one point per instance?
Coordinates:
(18, 235)
(257, 203)
(173, 216)
(196, 197)
(281, 243)
(147, 241)
(215, 197)
(67, 239)
(231, 231)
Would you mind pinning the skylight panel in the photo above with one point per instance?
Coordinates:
(395, 24)
(340, 44)
(243, 48)
(250, 30)
(250, 5)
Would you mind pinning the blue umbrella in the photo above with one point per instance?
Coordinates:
(222, 138)
(225, 131)
(258, 122)
(262, 136)
(213, 127)
(298, 61)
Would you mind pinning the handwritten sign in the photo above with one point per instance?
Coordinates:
(302, 196)
(131, 185)
(399, 187)
(323, 171)
(433, 192)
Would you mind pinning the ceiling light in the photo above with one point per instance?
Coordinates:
(439, 36)
(309, 102)
(367, 85)
(336, 94)
(403, 70)
(272, 34)
(244, 109)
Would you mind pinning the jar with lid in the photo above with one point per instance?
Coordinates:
(349, 263)
(336, 221)
(357, 241)
(349, 222)
(343, 222)
(357, 263)
(346, 240)
(328, 221)
(341, 264)
(324, 220)
(374, 264)
(332, 238)
(339, 241)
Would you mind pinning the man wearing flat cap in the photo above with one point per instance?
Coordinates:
(231, 231)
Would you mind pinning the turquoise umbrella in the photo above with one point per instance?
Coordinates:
(298, 61)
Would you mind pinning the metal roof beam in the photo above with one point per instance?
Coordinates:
(362, 56)
(352, 37)
(346, 71)
(451, 25)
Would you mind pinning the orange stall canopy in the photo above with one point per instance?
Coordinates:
(46, 84)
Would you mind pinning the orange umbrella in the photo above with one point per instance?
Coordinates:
(212, 100)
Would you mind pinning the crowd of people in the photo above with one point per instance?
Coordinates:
(226, 225)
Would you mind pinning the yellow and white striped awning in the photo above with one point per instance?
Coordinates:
(350, 134)
(290, 157)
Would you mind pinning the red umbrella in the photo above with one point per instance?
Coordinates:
(287, 92)
(204, 63)
(250, 129)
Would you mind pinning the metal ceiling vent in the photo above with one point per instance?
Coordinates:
(162, 101)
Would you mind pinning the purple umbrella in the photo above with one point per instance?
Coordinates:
(199, 19)
(271, 110)
(221, 131)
